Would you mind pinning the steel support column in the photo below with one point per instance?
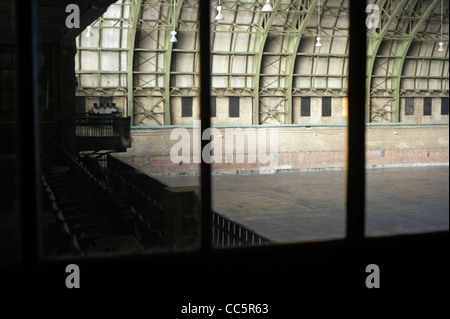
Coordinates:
(130, 62)
(167, 65)
(373, 44)
(294, 42)
(266, 22)
(402, 49)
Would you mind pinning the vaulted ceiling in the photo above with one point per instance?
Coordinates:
(270, 57)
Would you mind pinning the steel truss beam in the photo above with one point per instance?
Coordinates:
(373, 44)
(131, 46)
(167, 65)
(261, 39)
(402, 50)
(294, 42)
(273, 43)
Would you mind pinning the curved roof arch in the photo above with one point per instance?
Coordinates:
(271, 58)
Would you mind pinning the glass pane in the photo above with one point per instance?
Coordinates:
(407, 132)
(279, 169)
(103, 185)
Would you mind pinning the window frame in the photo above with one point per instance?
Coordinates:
(102, 272)
(355, 149)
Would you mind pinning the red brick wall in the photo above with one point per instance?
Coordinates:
(299, 161)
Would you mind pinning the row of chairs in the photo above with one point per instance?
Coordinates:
(73, 226)
(110, 198)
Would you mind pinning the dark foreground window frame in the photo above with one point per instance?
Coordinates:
(327, 269)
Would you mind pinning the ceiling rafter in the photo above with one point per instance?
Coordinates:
(402, 50)
(374, 43)
(264, 54)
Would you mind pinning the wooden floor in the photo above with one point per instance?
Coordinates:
(292, 207)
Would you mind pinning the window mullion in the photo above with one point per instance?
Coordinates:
(356, 125)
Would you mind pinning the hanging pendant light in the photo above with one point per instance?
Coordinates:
(173, 39)
(441, 44)
(318, 39)
(219, 15)
(318, 44)
(89, 32)
(267, 7)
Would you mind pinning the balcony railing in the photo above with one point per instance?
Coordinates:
(102, 132)
(226, 233)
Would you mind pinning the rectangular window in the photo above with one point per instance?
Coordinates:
(409, 106)
(233, 106)
(444, 106)
(326, 106)
(213, 106)
(427, 106)
(186, 106)
(305, 109)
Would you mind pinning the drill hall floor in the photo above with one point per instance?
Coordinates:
(292, 207)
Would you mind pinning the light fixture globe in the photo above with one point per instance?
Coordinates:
(441, 47)
(318, 43)
(267, 7)
(219, 15)
(173, 39)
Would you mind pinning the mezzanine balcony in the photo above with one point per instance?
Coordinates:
(97, 132)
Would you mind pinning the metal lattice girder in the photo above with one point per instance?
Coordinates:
(131, 46)
(402, 50)
(268, 56)
(90, 50)
(153, 23)
(281, 53)
(167, 65)
(233, 47)
(305, 10)
(425, 68)
(390, 14)
(265, 23)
